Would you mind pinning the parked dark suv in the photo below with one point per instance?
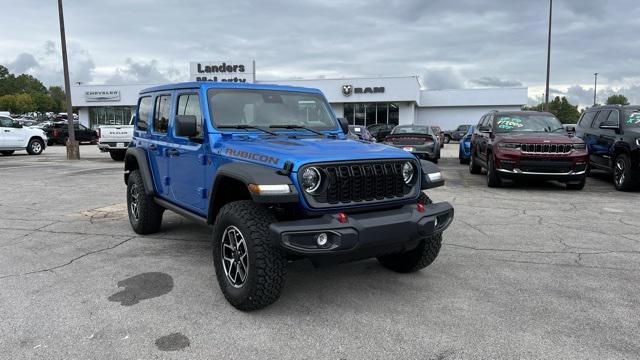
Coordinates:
(527, 144)
(58, 133)
(457, 134)
(612, 135)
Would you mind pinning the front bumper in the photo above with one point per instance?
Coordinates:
(363, 235)
(567, 167)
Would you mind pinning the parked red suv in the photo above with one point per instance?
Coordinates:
(527, 144)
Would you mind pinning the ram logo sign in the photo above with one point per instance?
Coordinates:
(347, 90)
(102, 95)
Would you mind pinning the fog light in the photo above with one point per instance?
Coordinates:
(322, 239)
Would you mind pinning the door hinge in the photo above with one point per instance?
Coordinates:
(202, 192)
(167, 180)
(202, 159)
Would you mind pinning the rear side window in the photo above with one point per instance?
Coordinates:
(587, 119)
(189, 104)
(6, 122)
(144, 109)
(481, 121)
(161, 114)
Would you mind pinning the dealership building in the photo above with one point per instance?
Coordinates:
(363, 101)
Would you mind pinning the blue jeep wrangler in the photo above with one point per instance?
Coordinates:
(270, 167)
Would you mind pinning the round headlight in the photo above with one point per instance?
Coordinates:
(311, 180)
(407, 172)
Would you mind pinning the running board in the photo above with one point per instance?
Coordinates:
(180, 211)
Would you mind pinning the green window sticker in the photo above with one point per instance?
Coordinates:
(634, 119)
(508, 123)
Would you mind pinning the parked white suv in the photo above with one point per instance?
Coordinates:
(15, 137)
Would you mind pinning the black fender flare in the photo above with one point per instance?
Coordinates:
(136, 159)
(249, 173)
(427, 167)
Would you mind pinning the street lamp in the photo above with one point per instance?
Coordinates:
(595, 89)
(546, 101)
(73, 148)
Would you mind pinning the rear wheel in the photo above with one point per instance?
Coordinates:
(250, 271)
(145, 215)
(117, 155)
(493, 179)
(473, 167)
(7, 152)
(35, 147)
(622, 173)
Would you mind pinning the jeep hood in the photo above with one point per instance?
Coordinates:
(538, 138)
(274, 152)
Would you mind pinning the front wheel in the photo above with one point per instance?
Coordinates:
(622, 173)
(250, 271)
(473, 167)
(35, 147)
(493, 179)
(414, 260)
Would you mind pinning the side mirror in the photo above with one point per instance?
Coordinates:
(186, 126)
(571, 129)
(609, 126)
(431, 175)
(344, 125)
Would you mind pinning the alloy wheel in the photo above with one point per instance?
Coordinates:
(134, 202)
(36, 147)
(235, 256)
(619, 171)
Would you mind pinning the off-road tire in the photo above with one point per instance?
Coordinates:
(493, 179)
(447, 139)
(7, 152)
(267, 264)
(35, 147)
(578, 185)
(414, 260)
(149, 214)
(626, 183)
(117, 155)
(473, 167)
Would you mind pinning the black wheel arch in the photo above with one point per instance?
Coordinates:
(136, 159)
(232, 181)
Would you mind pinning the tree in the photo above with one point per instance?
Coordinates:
(8, 103)
(24, 104)
(617, 100)
(561, 108)
(59, 98)
(43, 102)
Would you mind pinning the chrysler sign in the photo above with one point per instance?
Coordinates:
(102, 95)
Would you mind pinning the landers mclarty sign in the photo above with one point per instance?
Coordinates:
(222, 71)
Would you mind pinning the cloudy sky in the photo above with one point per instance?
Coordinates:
(451, 44)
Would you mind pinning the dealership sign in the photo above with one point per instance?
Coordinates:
(102, 95)
(347, 90)
(223, 71)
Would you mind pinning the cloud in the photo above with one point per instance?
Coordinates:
(490, 81)
(445, 78)
(139, 72)
(23, 63)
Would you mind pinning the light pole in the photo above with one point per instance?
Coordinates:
(546, 99)
(595, 89)
(73, 148)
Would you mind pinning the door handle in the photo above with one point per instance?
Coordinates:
(173, 152)
(7, 131)
(153, 147)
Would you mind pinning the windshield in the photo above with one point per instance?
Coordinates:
(527, 123)
(265, 108)
(411, 129)
(632, 118)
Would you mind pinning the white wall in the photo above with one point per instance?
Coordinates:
(474, 97)
(83, 115)
(448, 118)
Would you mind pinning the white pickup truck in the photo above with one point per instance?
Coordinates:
(115, 139)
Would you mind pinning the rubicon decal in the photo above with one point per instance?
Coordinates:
(252, 156)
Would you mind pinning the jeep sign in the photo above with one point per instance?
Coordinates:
(223, 71)
(102, 95)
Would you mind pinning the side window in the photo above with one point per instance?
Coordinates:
(6, 122)
(587, 119)
(489, 122)
(481, 122)
(602, 117)
(614, 117)
(161, 114)
(144, 109)
(189, 104)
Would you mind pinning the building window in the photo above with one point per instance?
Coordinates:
(366, 114)
(109, 115)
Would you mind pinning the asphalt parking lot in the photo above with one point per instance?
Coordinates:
(531, 271)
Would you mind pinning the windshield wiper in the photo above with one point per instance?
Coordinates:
(245, 127)
(556, 129)
(295, 127)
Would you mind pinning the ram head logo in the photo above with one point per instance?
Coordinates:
(347, 90)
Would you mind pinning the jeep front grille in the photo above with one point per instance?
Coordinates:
(361, 182)
(546, 148)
